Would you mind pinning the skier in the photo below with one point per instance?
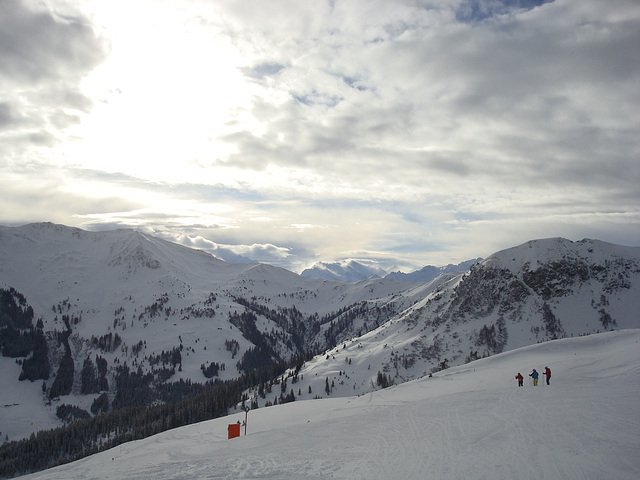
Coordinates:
(520, 379)
(547, 373)
(534, 374)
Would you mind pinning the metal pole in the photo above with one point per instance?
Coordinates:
(246, 418)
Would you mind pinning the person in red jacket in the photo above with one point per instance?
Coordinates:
(520, 379)
(547, 374)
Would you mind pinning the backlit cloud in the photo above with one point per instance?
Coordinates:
(403, 132)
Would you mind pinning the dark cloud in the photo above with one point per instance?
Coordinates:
(353, 82)
(448, 164)
(264, 70)
(317, 98)
(469, 11)
(38, 46)
(44, 57)
(8, 116)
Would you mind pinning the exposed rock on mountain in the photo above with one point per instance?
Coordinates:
(538, 291)
(95, 321)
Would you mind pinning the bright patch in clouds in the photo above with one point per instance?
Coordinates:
(290, 132)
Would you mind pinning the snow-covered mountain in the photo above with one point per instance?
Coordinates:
(345, 271)
(538, 291)
(100, 312)
(101, 320)
(353, 271)
(429, 273)
(469, 422)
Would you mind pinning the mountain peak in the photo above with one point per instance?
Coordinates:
(176, 314)
(347, 270)
(429, 273)
(132, 250)
(533, 253)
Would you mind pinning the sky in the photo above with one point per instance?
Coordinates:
(396, 133)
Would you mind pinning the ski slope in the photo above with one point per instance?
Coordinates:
(467, 422)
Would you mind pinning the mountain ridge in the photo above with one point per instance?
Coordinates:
(344, 271)
(129, 298)
(534, 292)
(353, 271)
(175, 314)
(430, 272)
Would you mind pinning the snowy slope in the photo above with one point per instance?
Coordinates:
(467, 422)
(156, 296)
(517, 297)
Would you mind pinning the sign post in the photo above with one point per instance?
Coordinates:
(246, 418)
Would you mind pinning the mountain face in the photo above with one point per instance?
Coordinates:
(95, 321)
(538, 291)
(347, 271)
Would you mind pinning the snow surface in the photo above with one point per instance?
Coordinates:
(110, 279)
(117, 274)
(469, 422)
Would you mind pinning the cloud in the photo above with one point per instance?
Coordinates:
(38, 46)
(35, 192)
(470, 11)
(406, 132)
(44, 57)
(263, 70)
(220, 251)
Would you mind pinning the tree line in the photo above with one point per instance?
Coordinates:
(88, 436)
(132, 411)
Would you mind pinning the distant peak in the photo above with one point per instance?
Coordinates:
(348, 270)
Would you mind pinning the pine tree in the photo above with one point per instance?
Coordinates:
(90, 383)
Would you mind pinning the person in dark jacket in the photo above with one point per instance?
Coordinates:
(547, 373)
(520, 379)
(535, 376)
